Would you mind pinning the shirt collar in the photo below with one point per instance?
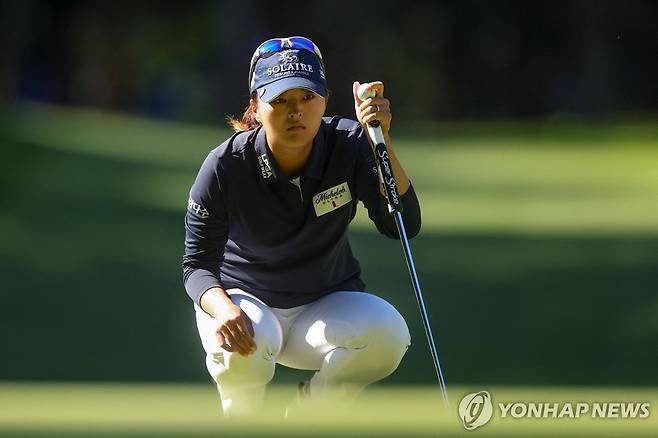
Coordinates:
(269, 170)
(315, 164)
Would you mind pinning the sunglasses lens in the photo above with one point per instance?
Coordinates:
(270, 46)
(303, 43)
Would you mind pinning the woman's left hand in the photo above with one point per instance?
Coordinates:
(373, 108)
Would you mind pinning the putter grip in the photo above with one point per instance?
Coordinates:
(385, 169)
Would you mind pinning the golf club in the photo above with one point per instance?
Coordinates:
(395, 208)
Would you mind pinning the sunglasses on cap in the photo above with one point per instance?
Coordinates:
(275, 45)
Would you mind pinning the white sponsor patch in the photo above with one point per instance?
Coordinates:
(331, 199)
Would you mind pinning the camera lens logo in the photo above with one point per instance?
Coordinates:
(475, 409)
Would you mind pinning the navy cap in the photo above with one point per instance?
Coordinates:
(287, 69)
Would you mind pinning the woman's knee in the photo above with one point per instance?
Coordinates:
(387, 345)
(268, 334)
(381, 331)
(390, 336)
(375, 350)
(234, 370)
(385, 325)
(231, 368)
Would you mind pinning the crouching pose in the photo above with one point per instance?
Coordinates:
(267, 260)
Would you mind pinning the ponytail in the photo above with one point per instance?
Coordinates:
(248, 120)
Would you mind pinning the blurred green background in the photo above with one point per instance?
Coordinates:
(530, 136)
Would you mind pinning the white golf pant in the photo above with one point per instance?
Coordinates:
(352, 339)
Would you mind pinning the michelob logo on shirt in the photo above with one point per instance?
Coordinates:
(331, 199)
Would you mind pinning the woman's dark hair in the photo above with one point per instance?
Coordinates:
(248, 120)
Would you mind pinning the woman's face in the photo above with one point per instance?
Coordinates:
(293, 118)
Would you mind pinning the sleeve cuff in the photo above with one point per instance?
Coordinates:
(199, 282)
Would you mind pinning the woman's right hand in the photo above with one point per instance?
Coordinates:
(234, 330)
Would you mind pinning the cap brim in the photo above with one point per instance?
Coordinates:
(268, 92)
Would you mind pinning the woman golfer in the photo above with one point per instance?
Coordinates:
(267, 260)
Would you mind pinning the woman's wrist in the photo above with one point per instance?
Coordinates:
(214, 300)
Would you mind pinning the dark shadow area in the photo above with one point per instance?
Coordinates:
(438, 59)
(92, 290)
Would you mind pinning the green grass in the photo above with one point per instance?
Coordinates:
(540, 187)
(97, 410)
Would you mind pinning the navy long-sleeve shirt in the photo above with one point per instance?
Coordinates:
(285, 241)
